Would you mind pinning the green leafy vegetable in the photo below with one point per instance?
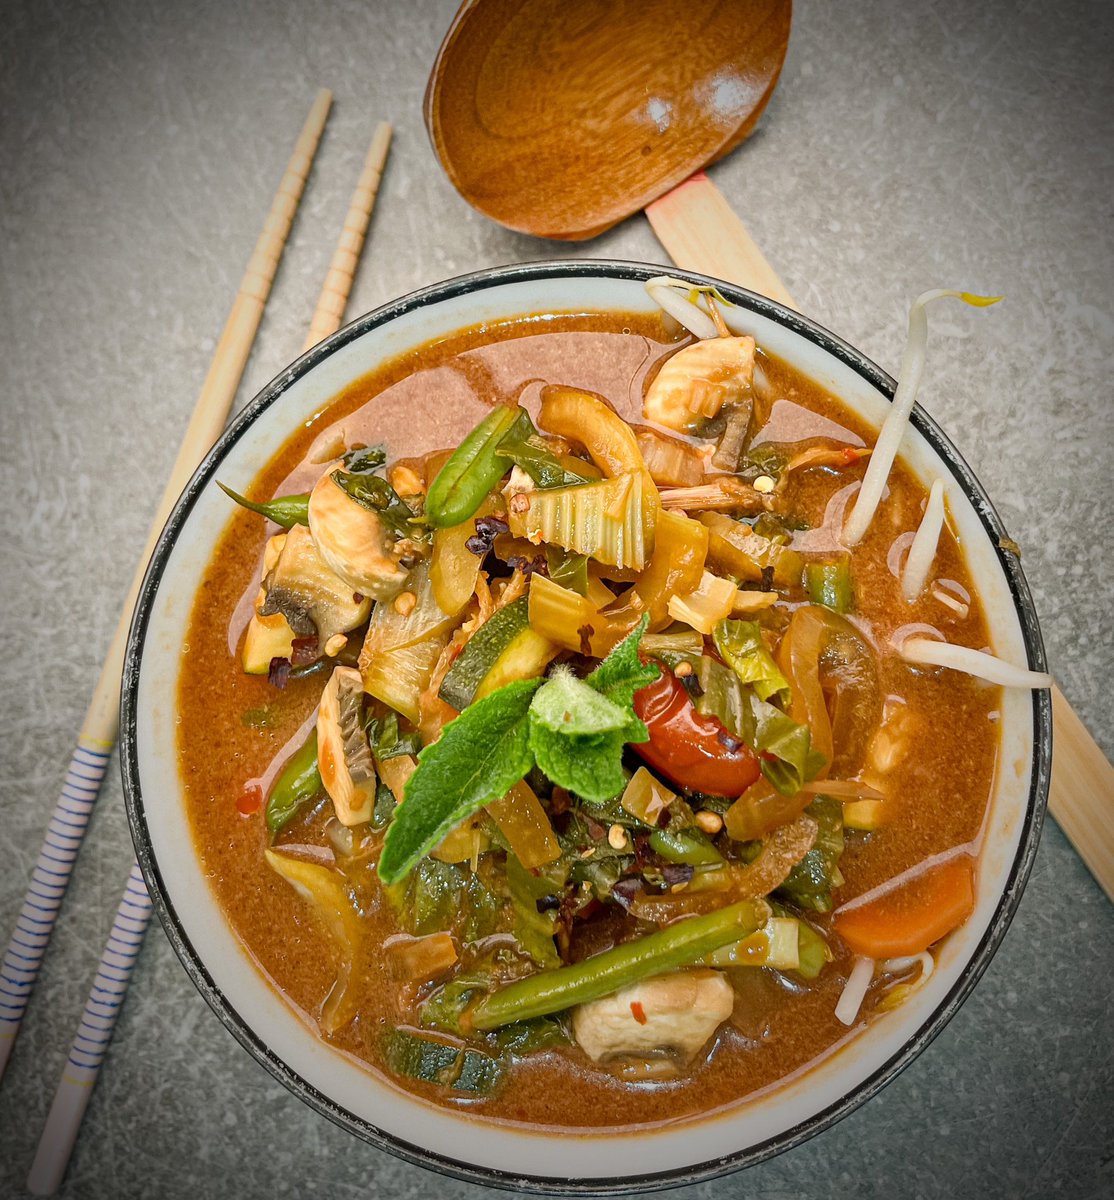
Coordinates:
(479, 757)
(809, 885)
(526, 448)
(376, 494)
(569, 570)
(363, 460)
(532, 930)
(744, 650)
(784, 746)
(388, 741)
(445, 896)
(772, 733)
(385, 805)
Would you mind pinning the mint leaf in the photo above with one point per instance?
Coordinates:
(568, 706)
(479, 757)
(590, 765)
(622, 672)
(744, 650)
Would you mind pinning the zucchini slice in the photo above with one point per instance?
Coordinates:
(504, 649)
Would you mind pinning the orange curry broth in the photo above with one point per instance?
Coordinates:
(427, 400)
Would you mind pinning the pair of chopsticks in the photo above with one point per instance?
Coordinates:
(35, 923)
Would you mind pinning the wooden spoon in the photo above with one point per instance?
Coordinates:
(561, 117)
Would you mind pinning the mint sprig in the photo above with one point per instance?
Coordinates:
(573, 729)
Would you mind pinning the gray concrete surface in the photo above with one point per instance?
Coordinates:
(909, 146)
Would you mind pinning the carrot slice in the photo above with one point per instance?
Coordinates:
(913, 916)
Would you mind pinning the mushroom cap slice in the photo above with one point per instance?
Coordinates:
(354, 541)
(343, 754)
(312, 598)
(697, 381)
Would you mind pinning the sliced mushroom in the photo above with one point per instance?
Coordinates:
(677, 1012)
(314, 600)
(698, 381)
(266, 637)
(343, 754)
(354, 542)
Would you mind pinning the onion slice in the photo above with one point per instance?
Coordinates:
(674, 296)
(927, 652)
(893, 428)
(854, 991)
(923, 550)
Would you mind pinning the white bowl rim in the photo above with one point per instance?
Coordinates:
(1019, 871)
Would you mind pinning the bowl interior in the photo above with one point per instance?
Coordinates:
(343, 1089)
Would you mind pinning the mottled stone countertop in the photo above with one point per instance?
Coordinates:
(908, 147)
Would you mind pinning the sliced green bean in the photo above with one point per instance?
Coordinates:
(473, 470)
(678, 945)
(283, 510)
(829, 584)
(299, 782)
(684, 846)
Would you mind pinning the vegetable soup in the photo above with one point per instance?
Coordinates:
(600, 741)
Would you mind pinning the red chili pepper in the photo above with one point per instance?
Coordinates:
(250, 800)
(638, 1012)
(691, 750)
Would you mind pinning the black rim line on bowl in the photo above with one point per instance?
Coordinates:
(491, 1176)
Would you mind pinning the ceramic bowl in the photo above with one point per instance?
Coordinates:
(332, 1083)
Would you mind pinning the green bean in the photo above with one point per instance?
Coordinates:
(677, 945)
(684, 846)
(472, 471)
(299, 782)
(283, 510)
(829, 584)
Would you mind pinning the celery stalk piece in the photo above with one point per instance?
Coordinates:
(610, 521)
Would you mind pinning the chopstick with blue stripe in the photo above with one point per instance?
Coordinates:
(91, 1041)
(20, 966)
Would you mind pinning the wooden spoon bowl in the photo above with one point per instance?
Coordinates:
(559, 118)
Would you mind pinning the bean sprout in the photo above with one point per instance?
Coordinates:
(854, 991)
(675, 296)
(927, 652)
(925, 541)
(893, 428)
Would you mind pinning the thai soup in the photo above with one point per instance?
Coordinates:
(599, 741)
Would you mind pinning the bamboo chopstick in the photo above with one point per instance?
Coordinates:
(701, 232)
(346, 257)
(66, 829)
(98, 1020)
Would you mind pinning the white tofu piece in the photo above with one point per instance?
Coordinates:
(678, 1012)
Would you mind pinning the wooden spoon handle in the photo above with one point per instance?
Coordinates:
(701, 232)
